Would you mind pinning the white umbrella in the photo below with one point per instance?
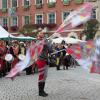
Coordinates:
(57, 40)
(72, 40)
(67, 40)
(4, 34)
(24, 38)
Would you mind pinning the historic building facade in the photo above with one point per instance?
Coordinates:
(14, 14)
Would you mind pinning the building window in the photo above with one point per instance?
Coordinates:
(38, 19)
(38, 2)
(14, 21)
(4, 6)
(51, 18)
(26, 20)
(78, 1)
(53, 1)
(64, 15)
(14, 3)
(14, 24)
(93, 15)
(4, 3)
(26, 2)
(5, 22)
(65, 2)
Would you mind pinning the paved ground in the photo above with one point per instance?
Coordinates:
(72, 84)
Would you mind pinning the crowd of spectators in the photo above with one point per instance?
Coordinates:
(57, 58)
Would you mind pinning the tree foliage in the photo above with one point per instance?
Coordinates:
(28, 29)
(91, 28)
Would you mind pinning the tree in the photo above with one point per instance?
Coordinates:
(90, 28)
(28, 29)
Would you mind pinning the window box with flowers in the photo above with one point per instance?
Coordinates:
(5, 27)
(38, 6)
(78, 1)
(39, 25)
(94, 0)
(51, 25)
(65, 2)
(14, 28)
(26, 7)
(51, 4)
(4, 10)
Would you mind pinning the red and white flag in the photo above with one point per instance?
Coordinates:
(31, 56)
(75, 18)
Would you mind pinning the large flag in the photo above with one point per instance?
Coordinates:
(75, 51)
(82, 53)
(81, 50)
(77, 17)
(91, 52)
(31, 56)
(86, 49)
(95, 57)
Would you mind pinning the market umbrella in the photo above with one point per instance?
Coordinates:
(24, 38)
(67, 40)
(4, 35)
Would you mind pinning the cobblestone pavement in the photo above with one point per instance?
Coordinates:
(72, 84)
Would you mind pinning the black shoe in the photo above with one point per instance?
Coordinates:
(43, 94)
(66, 68)
(58, 69)
(4, 74)
(63, 68)
(0, 76)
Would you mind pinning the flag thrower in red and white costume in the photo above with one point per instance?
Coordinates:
(38, 53)
(42, 63)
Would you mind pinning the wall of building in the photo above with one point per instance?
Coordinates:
(59, 7)
(98, 10)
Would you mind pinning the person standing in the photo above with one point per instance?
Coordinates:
(3, 51)
(14, 50)
(42, 64)
(58, 56)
